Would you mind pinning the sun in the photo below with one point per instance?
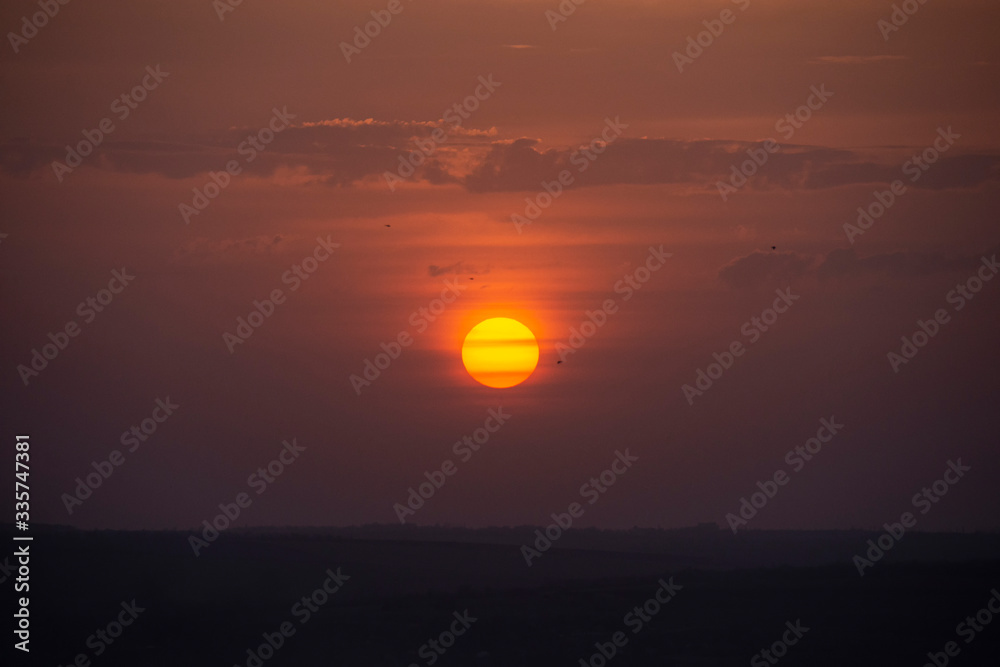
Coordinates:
(500, 352)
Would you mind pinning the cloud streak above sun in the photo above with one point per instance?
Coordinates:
(349, 153)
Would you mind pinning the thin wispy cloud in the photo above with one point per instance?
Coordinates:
(857, 60)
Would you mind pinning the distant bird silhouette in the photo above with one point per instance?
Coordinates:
(559, 362)
(388, 225)
(774, 247)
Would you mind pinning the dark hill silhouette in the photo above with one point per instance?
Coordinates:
(405, 583)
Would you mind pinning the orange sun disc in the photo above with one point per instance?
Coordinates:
(500, 352)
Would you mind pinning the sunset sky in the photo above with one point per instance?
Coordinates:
(660, 142)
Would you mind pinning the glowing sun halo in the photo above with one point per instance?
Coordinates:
(500, 352)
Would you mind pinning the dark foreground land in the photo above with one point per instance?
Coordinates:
(732, 598)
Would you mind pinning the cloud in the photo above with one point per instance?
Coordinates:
(458, 268)
(845, 262)
(229, 249)
(519, 165)
(764, 267)
(344, 152)
(769, 268)
(370, 130)
(856, 60)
